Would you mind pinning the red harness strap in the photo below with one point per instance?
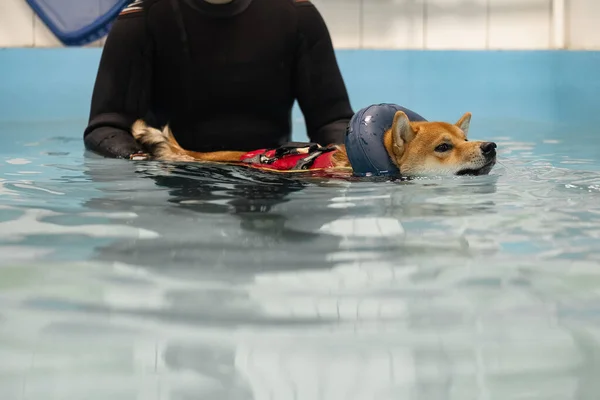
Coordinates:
(293, 157)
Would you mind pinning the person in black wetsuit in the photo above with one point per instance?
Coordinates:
(224, 74)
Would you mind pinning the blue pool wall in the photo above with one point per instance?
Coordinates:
(55, 84)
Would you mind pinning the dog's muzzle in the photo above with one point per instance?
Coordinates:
(488, 150)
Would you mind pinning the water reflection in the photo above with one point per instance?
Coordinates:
(221, 217)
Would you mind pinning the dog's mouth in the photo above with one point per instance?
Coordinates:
(483, 170)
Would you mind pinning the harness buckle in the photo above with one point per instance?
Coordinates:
(306, 162)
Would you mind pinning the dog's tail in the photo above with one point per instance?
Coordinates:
(160, 144)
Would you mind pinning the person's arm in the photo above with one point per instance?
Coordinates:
(122, 88)
(319, 86)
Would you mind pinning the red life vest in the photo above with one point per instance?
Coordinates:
(293, 157)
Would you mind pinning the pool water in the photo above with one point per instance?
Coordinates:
(133, 280)
(137, 280)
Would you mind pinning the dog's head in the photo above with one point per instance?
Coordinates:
(437, 148)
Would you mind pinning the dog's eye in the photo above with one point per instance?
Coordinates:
(441, 148)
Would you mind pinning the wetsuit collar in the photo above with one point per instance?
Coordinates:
(219, 10)
(364, 139)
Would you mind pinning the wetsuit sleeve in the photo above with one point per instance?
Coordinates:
(122, 89)
(319, 86)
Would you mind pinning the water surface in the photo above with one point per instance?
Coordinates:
(138, 280)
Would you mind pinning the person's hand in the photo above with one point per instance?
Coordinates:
(116, 143)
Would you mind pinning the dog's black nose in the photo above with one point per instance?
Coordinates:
(488, 148)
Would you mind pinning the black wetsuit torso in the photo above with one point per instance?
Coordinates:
(224, 77)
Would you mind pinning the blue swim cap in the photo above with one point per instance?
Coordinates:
(364, 139)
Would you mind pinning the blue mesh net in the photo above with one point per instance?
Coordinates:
(78, 22)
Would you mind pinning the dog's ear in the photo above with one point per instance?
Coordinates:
(402, 132)
(464, 123)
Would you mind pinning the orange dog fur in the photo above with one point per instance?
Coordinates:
(417, 148)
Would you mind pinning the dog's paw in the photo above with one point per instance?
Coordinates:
(140, 157)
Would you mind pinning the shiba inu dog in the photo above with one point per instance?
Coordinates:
(414, 147)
